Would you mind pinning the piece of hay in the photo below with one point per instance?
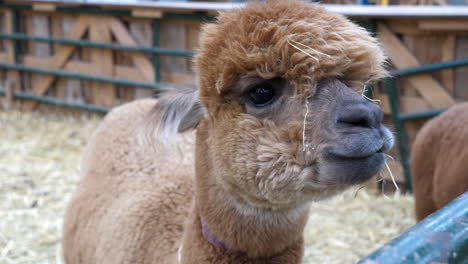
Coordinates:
(39, 162)
(345, 229)
(306, 47)
(363, 94)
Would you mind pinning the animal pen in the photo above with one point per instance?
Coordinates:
(98, 55)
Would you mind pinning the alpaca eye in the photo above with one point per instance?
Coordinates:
(262, 94)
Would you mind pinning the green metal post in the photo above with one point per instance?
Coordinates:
(15, 25)
(399, 129)
(440, 238)
(156, 44)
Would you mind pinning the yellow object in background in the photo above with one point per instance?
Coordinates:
(384, 2)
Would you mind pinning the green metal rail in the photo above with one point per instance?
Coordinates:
(399, 118)
(85, 43)
(57, 102)
(440, 238)
(67, 74)
(155, 51)
(95, 10)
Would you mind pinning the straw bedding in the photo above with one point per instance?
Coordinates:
(39, 163)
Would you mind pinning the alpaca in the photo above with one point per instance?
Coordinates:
(439, 161)
(277, 123)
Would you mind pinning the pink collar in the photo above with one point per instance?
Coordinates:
(210, 237)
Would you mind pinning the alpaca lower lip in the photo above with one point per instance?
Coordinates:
(354, 155)
(355, 169)
(355, 149)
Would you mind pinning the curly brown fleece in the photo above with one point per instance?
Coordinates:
(439, 161)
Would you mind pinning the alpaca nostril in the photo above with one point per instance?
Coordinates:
(359, 116)
(354, 121)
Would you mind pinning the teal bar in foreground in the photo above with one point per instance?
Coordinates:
(440, 238)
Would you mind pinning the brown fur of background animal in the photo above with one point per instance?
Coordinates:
(253, 180)
(439, 161)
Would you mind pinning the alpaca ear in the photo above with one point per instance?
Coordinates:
(192, 118)
(177, 110)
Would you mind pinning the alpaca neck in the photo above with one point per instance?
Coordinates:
(255, 235)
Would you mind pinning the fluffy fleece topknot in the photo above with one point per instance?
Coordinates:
(256, 40)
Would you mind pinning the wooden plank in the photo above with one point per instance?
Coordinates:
(28, 21)
(417, 45)
(448, 54)
(33, 61)
(2, 29)
(7, 101)
(133, 74)
(124, 93)
(27, 77)
(13, 77)
(403, 26)
(3, 57)
(142, 32)
(443, 24)
(428, 54)
(173, 36)
(57, 32)
(408, 104)
(123, 37)
(407, 88)
(40, 28)
(401, 57)
(461, 73)
(44, 7)
(69, 89)
(103, 93)
(60, 57)
(193, 36)
(148, 13)
(73, 66)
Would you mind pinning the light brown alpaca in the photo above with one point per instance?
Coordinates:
(276, 128)
(439, 161)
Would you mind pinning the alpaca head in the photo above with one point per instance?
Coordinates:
(283, 121)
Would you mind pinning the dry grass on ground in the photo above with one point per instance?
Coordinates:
(39, 163)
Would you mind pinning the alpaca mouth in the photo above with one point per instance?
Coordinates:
(355, 155)
(353, 169)
(361, 145)
(358, 153)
